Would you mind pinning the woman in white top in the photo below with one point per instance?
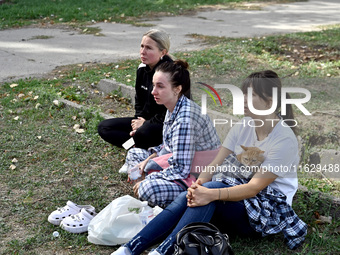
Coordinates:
(257, 204)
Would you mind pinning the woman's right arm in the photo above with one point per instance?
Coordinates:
(207, 175)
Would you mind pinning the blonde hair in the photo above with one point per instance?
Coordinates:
(160, 37)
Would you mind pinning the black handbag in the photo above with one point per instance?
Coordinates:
(202, 238)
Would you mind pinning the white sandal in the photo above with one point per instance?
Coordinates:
(79, 222)
(70, 209)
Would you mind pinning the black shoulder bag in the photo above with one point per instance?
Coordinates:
(202, 238)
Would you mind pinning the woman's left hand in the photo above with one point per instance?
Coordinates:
(137, 123)
(198, 195)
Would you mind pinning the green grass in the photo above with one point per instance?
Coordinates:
(15, 13)
(56, 164)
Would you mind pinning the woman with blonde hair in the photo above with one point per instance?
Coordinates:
(146, 126)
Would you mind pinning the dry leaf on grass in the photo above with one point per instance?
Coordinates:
(80, 130)
(56, 102)
(324, 219)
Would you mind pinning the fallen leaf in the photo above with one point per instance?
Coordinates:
(80, 130)
(324, 219)
(56, 102)
(109, 111)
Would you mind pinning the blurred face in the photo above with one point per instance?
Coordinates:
(163, 91)
(149, 52)
(258, 104)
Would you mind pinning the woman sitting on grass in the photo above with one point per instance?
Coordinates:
(146, 126)
(257, 204)
(185, 132)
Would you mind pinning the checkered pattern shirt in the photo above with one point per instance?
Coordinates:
(185, 131)
(268, 211)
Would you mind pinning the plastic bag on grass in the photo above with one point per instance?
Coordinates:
(119, 221)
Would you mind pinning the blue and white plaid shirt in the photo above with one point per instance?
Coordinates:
(185, 131)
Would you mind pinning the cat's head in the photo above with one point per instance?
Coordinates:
(252, 156)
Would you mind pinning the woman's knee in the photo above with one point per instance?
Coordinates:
(101, 127)
(150, 191)
(146, 191)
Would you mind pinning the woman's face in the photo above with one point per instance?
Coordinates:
(258, 103)
(149, 52)
(163, 91)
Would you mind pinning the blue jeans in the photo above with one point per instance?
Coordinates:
(228, 216)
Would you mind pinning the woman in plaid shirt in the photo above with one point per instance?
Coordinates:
(185, 131)
(253, 204)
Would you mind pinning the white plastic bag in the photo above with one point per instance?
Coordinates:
(118, 222)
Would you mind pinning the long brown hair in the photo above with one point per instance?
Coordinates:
(263, 83)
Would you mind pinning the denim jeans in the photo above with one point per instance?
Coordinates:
(228, 216)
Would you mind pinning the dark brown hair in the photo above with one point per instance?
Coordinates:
(263, 83)
(179, 75)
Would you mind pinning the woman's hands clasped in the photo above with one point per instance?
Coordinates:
(198, 195)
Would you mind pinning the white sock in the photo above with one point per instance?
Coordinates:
(154, 252)
(122, 251)
(124, 169)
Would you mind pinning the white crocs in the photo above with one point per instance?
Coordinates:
(70, 209)
(79, 222)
